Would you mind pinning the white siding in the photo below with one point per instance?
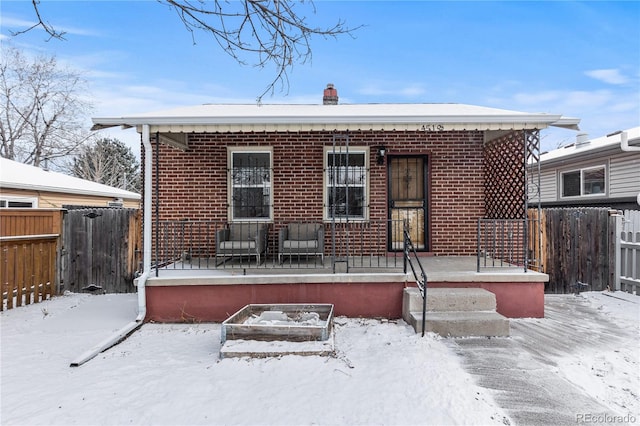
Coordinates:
(624, 175)
(548, 186)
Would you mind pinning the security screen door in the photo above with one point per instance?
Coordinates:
(408, 200)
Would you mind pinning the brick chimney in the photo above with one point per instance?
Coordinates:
(330, 95)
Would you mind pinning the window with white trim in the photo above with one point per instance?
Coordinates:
(18, 203)
(589, 181)
(250, 176)
(346, 189)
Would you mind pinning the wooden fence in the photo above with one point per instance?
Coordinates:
(20, 222)
(577, 245)
(45, 252)
(628, 275)
(101, 250)
(29, 244)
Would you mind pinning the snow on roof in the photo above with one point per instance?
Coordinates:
(591, 146)
(17, 175)
(357, 114)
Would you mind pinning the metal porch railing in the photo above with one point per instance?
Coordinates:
(190, 244)
(411, 257)
(505, 243)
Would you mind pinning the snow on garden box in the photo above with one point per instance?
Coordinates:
(292, 322)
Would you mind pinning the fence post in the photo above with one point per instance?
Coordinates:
(617, 249)
(58, 262)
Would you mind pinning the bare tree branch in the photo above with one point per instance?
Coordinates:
(42, 114)
(41, 23)
(274, 32)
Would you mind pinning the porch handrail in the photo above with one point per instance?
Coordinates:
(421, 278)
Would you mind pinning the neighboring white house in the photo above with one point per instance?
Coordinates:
(25, 186)
(601, 172)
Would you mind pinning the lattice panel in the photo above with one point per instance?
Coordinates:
(533, 164)
(504, 176)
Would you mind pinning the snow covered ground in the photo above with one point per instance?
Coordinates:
(171, 374)
(611, 375)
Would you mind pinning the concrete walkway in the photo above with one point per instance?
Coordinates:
(523, 371)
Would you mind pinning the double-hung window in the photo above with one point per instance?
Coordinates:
(250, 178)
(583, 182)
(346, 189)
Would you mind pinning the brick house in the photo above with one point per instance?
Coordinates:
(361, 171)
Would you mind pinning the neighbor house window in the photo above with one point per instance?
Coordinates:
(250, 177)
(19, 203)
(583, 182)
(346, 189)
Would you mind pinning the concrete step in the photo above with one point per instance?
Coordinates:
(462, 324)
(450, 299)
(455, 312)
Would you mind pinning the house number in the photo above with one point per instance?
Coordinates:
(432, 127)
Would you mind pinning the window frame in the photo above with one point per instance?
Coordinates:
(582, 170)
(359, 150)
(5, 200)
(231, 150)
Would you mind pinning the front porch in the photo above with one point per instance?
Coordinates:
(186, 292)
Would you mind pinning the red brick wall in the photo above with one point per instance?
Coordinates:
(193, 183)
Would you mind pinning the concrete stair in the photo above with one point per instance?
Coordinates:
(455, 312)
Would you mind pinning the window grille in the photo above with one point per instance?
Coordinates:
(346, 186)
(250, 185)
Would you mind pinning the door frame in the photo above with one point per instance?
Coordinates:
(426, 203)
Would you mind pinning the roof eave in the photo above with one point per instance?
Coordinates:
(580, 155)
(534, 120)
(570, 123)
(13, 185)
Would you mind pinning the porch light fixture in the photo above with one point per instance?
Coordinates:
(381, 152)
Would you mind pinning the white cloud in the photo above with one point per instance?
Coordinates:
(625, 106)
(609, 76)
(380, 88)
(537, 97)
(578, 99)
(18, 24)
(600, 111)
(554, 101)
(9, 21)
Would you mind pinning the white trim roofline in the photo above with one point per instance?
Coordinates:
(611, 142)
(349, 115)
(16, 175)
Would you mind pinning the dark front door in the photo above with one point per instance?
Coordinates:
(408, 201)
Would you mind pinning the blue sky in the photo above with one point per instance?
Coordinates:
(579, 59)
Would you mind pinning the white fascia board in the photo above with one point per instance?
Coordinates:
(570, 123)
(601, 144)
(16, 175)
(43, 188)
(530, 121)
(601, 152)
(330, 127)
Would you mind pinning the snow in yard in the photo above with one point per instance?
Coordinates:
(171, 374)
(610, 375)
